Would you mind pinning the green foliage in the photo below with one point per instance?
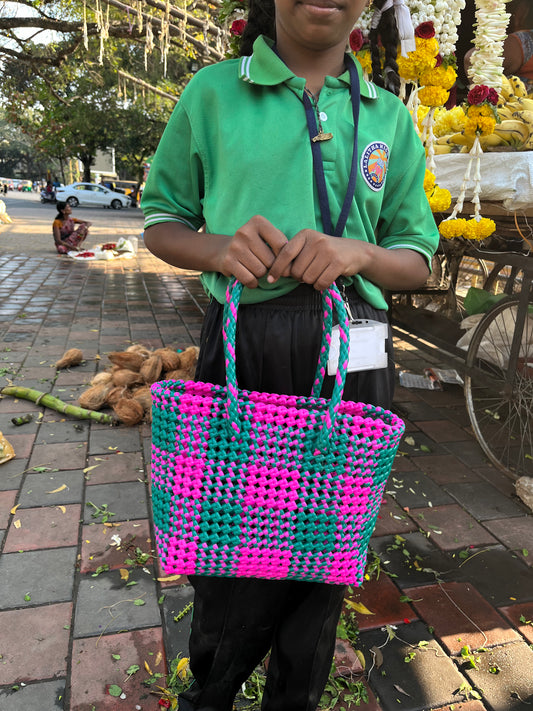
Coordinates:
(67, 102)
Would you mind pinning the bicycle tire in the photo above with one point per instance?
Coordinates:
(500, 403)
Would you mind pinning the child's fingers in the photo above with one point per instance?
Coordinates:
(275, 238)
(282, 265)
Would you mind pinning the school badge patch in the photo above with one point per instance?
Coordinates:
(374, 162)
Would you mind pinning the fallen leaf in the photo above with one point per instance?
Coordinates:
(361, 657)
(378, 656)
(169, 579)
(399, 688)
(158, 658)
(111, 525)
(359, 607)
(124, 574)
(88, 469)
(62, 509)
(147, 667)
(59, 488)
(17, 523)
(14, 509)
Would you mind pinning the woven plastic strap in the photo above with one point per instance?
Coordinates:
(330, 298)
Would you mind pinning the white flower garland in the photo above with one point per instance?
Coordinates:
(491, 30)
(445, 15)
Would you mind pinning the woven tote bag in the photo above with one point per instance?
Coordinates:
(251, 484)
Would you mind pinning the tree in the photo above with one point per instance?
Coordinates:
(17, 155)
(110, 77)
(24, 31)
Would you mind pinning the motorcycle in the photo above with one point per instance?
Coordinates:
(48, 197)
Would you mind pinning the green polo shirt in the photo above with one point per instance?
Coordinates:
(237, 145)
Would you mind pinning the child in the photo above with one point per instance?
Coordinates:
(237, 157)
(67, 237)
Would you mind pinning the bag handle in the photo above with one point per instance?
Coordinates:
(331, 298)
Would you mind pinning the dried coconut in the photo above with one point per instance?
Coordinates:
(129, 411)
(180, 374)
(131, 360)
(95, 397)
(126, 378)
(103, 377)
(71, 357)
(170, 359)
(151, 369)
(115, 394)
(189, 357)
(138, 348)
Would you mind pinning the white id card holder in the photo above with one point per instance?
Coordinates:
(367, 346)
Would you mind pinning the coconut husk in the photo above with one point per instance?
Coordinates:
(103, 377)
(138, 348)
(125, 378)
(144, 396)
(128, 411)
(170, 359)
(115, 394)
(95, 397)
(189, 357)
(180, 374)
(71, 357)
(132, 360)
(151, 369)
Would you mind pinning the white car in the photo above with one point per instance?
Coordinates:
(91, 194)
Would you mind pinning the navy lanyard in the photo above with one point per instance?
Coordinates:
(318, 165)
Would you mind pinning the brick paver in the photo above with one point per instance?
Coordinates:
(82, 599)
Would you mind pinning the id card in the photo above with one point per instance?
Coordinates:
(367, 346)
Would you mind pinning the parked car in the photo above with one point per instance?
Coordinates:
(91, 194)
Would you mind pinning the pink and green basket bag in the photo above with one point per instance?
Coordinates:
(251, 484)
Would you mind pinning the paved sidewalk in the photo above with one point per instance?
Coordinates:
(78, 613)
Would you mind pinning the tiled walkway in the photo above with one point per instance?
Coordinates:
(77, 610)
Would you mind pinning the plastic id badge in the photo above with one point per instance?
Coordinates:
(367, 346)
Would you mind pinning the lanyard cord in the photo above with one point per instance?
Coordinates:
(318, 165)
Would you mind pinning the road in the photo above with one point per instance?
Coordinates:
(31, 230)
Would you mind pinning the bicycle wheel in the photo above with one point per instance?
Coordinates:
(499, 393)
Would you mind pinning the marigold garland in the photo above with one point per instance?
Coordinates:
(450, 229)
(473, 229)
(433, 95)
(439, 199)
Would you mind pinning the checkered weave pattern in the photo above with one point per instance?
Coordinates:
(250, 484)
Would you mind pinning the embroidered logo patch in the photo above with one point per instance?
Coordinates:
(374, 163)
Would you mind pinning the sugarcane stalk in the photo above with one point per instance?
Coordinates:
(47, 400)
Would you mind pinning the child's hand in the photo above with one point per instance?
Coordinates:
(314, 258)
(252, 251)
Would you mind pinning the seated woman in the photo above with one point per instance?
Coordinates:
(518, 47)
(67, 237)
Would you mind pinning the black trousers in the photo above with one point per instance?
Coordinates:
(237, 621)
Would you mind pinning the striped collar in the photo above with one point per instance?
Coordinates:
(265, 68)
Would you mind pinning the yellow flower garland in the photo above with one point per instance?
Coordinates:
(469, 229)
(439, 199)
(365, 59)
(449, 229)
(419, 61)
(479, 119)
(439, 76)
(433, 95)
